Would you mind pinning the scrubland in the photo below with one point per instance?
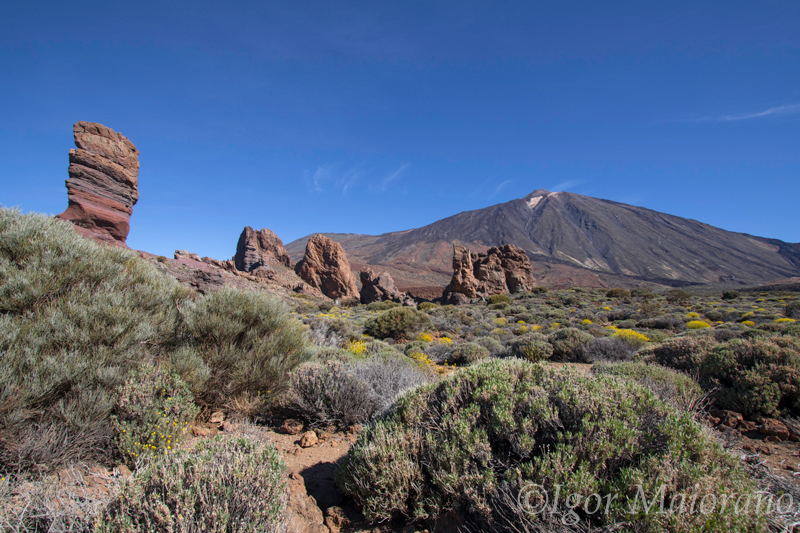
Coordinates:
(105, 361)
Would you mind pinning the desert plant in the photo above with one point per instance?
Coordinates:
(568, 344)
(618, 293)
(396, 323)
(75, 318)
(153, 413)
(697, 324)
(607, 349)
(533, 347)
(384, 305)
(730, 295)
(671, 386)
(498, 299)
(467, 353)
(792, 309)
(684, 353)
(678, 296)
(455, 445)
(427, 306)
(228, 484)
(249, 341)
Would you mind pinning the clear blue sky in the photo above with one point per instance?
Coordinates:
(368, 117)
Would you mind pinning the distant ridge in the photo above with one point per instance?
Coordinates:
(576, 240)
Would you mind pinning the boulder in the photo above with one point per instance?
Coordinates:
(503, 269)
(325, 267)
(291, 426)
(103, 183)
(308, 439)
(377, 288)
(183, 254)
(775, 428)
(257, 249)
(303, 513)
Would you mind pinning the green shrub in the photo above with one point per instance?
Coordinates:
(427, 306)
(153, 413)
(473, 442)
(533, 347)
(493, 345)
(498, 299)
(697, 324)
(467, 353)
(618, 293)
(730, 295)
(396, 323)
(678, 296)
(792, 309)
(641, 292)
(568, 344)
(671, 386)
(385, 305)
(684, 353)
(228, 484)
(248, 340)
(607, 349)
(75, 318)
(755, 377)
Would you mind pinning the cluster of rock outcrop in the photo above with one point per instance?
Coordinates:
(503, 269)
(325, 267)
(379, 287)
(103, 183)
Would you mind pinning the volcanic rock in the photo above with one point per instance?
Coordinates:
(183, 254)
(377, 288)
(500, 270)
(258, 249)
(325, 267)
(103, 183)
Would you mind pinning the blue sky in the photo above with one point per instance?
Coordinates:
(368, 117)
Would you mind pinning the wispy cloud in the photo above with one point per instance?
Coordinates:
(569, 184)
(772, 111)
(341, 178)
(332, 177)
(500, 187)
(383, 184)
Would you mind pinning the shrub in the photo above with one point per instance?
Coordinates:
(714, 316)
(248, 340)
(607, 349)
(618, 293)
(468, 353)
(683, 353)
(427, 306)
(755, 377)
(748, 323)
(533, 347)
(785, 320)
(641, 292)
(385, 305)
(498, 299)
(678, 296)
(697, 324)
(568, 344)
(342, 394)
(75, 319)
(487, 431)
(632, 338)
(396, 323)
(491, 344)
(693, 315)
(730, 295)
(675, 388)
(232, 484)
(792, 309)
(355, 347)
(153, 413)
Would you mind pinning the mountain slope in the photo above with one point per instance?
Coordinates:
(577, 240)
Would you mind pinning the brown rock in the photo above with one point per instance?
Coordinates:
(291, 426)
(103, 183)
(775, 428)
(325, 267)
(730, 419)
(217, 417)
(308, 439)
(335, 519)
(199, 431)
(183, 254)
(123, 471)
(504, 269)
(258, 249)
(228, 426)
(378, 288)
(304, 516)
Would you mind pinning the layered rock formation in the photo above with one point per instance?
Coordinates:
(258, 249)
(377, 288)
(103, 183)
(500, 270)
(325, 267)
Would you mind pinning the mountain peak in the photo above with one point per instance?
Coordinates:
(537, 193)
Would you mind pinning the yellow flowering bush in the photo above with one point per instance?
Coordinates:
(446, 340)
(693, 315)
(631, 337)
(586, 322)
(748, 323)
(785, 320)
(355, 347)
(698, 324)
(425, 337)
(500, 321)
